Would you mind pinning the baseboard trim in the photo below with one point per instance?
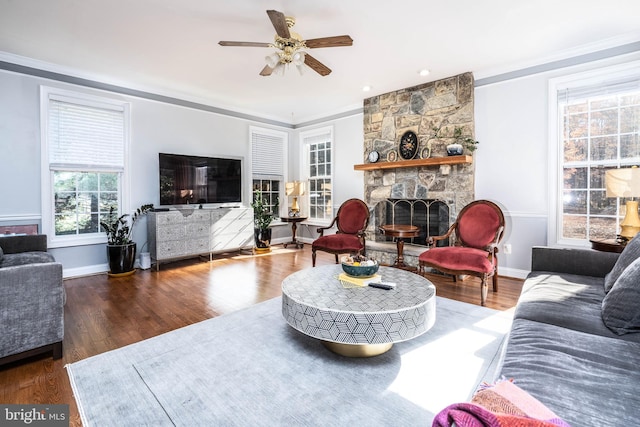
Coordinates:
(512, 272)
(88, 270)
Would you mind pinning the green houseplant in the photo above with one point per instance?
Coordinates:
(262, 217)
(460, 143)
(121, 250)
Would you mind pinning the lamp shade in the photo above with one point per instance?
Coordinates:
(623, 182)
(295, 188)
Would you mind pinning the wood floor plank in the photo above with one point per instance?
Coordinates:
(103, 313)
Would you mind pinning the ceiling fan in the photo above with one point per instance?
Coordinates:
(290, 47)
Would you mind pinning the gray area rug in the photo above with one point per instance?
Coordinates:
(249, 368)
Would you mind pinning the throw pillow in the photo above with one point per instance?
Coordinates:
(630, 253)
(620, 309)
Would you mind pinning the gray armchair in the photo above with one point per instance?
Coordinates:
(31, 299)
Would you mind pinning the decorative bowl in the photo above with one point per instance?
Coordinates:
(360, 270)
(454, 149)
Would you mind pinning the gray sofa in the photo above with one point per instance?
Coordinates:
(31, 299)
(574, 346)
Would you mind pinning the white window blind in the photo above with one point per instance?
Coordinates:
(604, 87)
(267, 153)
(85, 136)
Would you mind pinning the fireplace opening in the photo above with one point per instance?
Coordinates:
(429, 215)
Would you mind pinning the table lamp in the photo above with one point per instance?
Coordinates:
(294, 189)
(625, 183)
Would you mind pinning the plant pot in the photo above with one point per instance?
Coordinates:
(454, 149)
(262, 239)
(121, 258)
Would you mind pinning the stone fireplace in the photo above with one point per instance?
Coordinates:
(429, 190)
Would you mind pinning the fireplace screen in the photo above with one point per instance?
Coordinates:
(430, 216)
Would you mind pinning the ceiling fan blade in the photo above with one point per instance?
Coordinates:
(316, 65)
(243, 44)
(279, 23)
(334, 41)
(266, 71)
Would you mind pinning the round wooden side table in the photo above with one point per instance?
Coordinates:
(400, 232)
(294, 220)
(608, 245)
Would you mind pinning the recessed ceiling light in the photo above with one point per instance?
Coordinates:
(366, 88)
(424, 72)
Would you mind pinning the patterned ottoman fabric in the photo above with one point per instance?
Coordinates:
(315, 303)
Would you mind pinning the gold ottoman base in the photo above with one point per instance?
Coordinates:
(357, 350)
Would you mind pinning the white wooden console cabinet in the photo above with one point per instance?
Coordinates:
(183, 233)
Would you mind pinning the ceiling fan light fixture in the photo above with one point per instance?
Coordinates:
(272, 60)
(298, 58)
(291, 47)
(279, 69)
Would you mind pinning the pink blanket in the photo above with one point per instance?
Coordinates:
(500, 405)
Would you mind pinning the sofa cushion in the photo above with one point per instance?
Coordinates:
(630, 253)
(586, 379)
(620, 308)
(22, 258)
(566, 300)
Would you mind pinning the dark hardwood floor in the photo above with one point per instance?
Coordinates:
(103, 313)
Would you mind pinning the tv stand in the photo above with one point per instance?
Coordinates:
(186, 233)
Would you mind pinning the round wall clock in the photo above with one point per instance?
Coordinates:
(374, 156)
(408, 145)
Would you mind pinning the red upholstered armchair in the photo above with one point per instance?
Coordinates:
(351, 220)
(478, 230)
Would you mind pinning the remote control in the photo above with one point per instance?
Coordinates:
(383, 285)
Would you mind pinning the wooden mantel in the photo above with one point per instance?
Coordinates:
(432, 161)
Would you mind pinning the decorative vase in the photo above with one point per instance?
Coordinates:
(454, 149)
(262, 239)
(121, 258)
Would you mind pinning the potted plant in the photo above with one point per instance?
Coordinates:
(121, 250)
(262, 217)
(460, 143)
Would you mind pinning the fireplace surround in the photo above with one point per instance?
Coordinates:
(411, 191)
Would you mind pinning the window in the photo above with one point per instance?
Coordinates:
(84, 151)
(318, 168)
(270, 190)
(598, 129)
(268, 161)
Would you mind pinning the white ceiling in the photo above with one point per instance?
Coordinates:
(170, 47)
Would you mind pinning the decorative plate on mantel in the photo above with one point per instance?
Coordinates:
(408, 145)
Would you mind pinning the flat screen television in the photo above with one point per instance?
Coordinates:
(197, 180)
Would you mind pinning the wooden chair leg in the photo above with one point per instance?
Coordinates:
(57, 350)
(495, 273)
(484, 288)
(313, 257)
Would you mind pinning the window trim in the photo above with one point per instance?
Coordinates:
(555, 148)
(305, 144)
(47, 191)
